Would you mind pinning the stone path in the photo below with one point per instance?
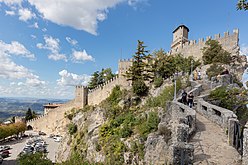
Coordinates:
(211, 147)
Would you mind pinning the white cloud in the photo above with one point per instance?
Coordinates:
(52, 44)
(71, 41)
(44, 29)
(10, 70)
(35, 81)
(25, 14)
(12, 2)
(244, 49)
(15, 48)
(81, 15)
(80, 56)
(71, 79)
(9, 12)
(136, 3)
(35, 25)
(57, 57)
(33, 36)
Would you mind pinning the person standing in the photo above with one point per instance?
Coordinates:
(184, 97)
(190, 99)
(195, 75)
(199, 75)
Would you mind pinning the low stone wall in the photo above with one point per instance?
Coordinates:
(215, 114)
(184, 119)
(185, 115)
(245, 145)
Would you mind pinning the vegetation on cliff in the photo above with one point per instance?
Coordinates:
(34, 159)
(234, 99)
(214, 53)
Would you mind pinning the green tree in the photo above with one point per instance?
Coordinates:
(214, 53)
(34, 159)
(98, 78)
(140, 71)
(94, 80)
(242, 5)
(29, 114)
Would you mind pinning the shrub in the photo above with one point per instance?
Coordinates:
(149, 125)
(140, 88)
(214, 70)
(158, 81)
(34, 159)
(72, 128)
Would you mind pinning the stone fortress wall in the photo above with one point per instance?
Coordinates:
(55, 122)
(101, 92)
(229, 42)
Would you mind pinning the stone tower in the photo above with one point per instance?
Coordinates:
(180, 36)
(123, 66)
(81, 96)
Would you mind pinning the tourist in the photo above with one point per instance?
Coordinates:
(199, 75)
(184, 97)
(190, 99)
(195, 75)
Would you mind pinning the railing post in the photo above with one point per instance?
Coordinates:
(231, 124)
(245, 145)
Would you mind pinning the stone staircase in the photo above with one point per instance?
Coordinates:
(210, 141)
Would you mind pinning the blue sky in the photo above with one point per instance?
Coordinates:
(47, 47)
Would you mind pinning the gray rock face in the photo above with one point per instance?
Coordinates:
(157, 151)
(90, 123)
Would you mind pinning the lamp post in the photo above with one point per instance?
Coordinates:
(175, 87)
(191, 69)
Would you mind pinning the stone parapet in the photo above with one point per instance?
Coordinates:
(245, 145)
(215, 114)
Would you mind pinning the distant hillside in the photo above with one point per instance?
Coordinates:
(10, 107)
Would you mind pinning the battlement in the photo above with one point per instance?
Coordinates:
(126, 60)
(194, 47)
(104, 84)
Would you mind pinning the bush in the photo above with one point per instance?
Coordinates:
(158, 81)
(166, 95)
(140, 88)
(34, 159)
(72, 128)
(214, 70)
(149, 125)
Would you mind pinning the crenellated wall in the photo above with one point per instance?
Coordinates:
(54, 121)
(101, 92)
(193, 48)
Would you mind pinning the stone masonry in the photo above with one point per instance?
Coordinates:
(55, 122)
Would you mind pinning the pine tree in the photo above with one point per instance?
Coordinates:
(29, 114)
(140, 71)
(94, 80)
(141, 68)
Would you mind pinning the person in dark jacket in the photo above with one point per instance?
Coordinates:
(184, 97)
(190, 99)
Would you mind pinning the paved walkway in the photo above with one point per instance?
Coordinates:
(211, 147)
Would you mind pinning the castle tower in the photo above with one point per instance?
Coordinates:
(81, 95)
(123, 66)
(180, 36)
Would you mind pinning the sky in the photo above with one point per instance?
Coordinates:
(49, 46)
